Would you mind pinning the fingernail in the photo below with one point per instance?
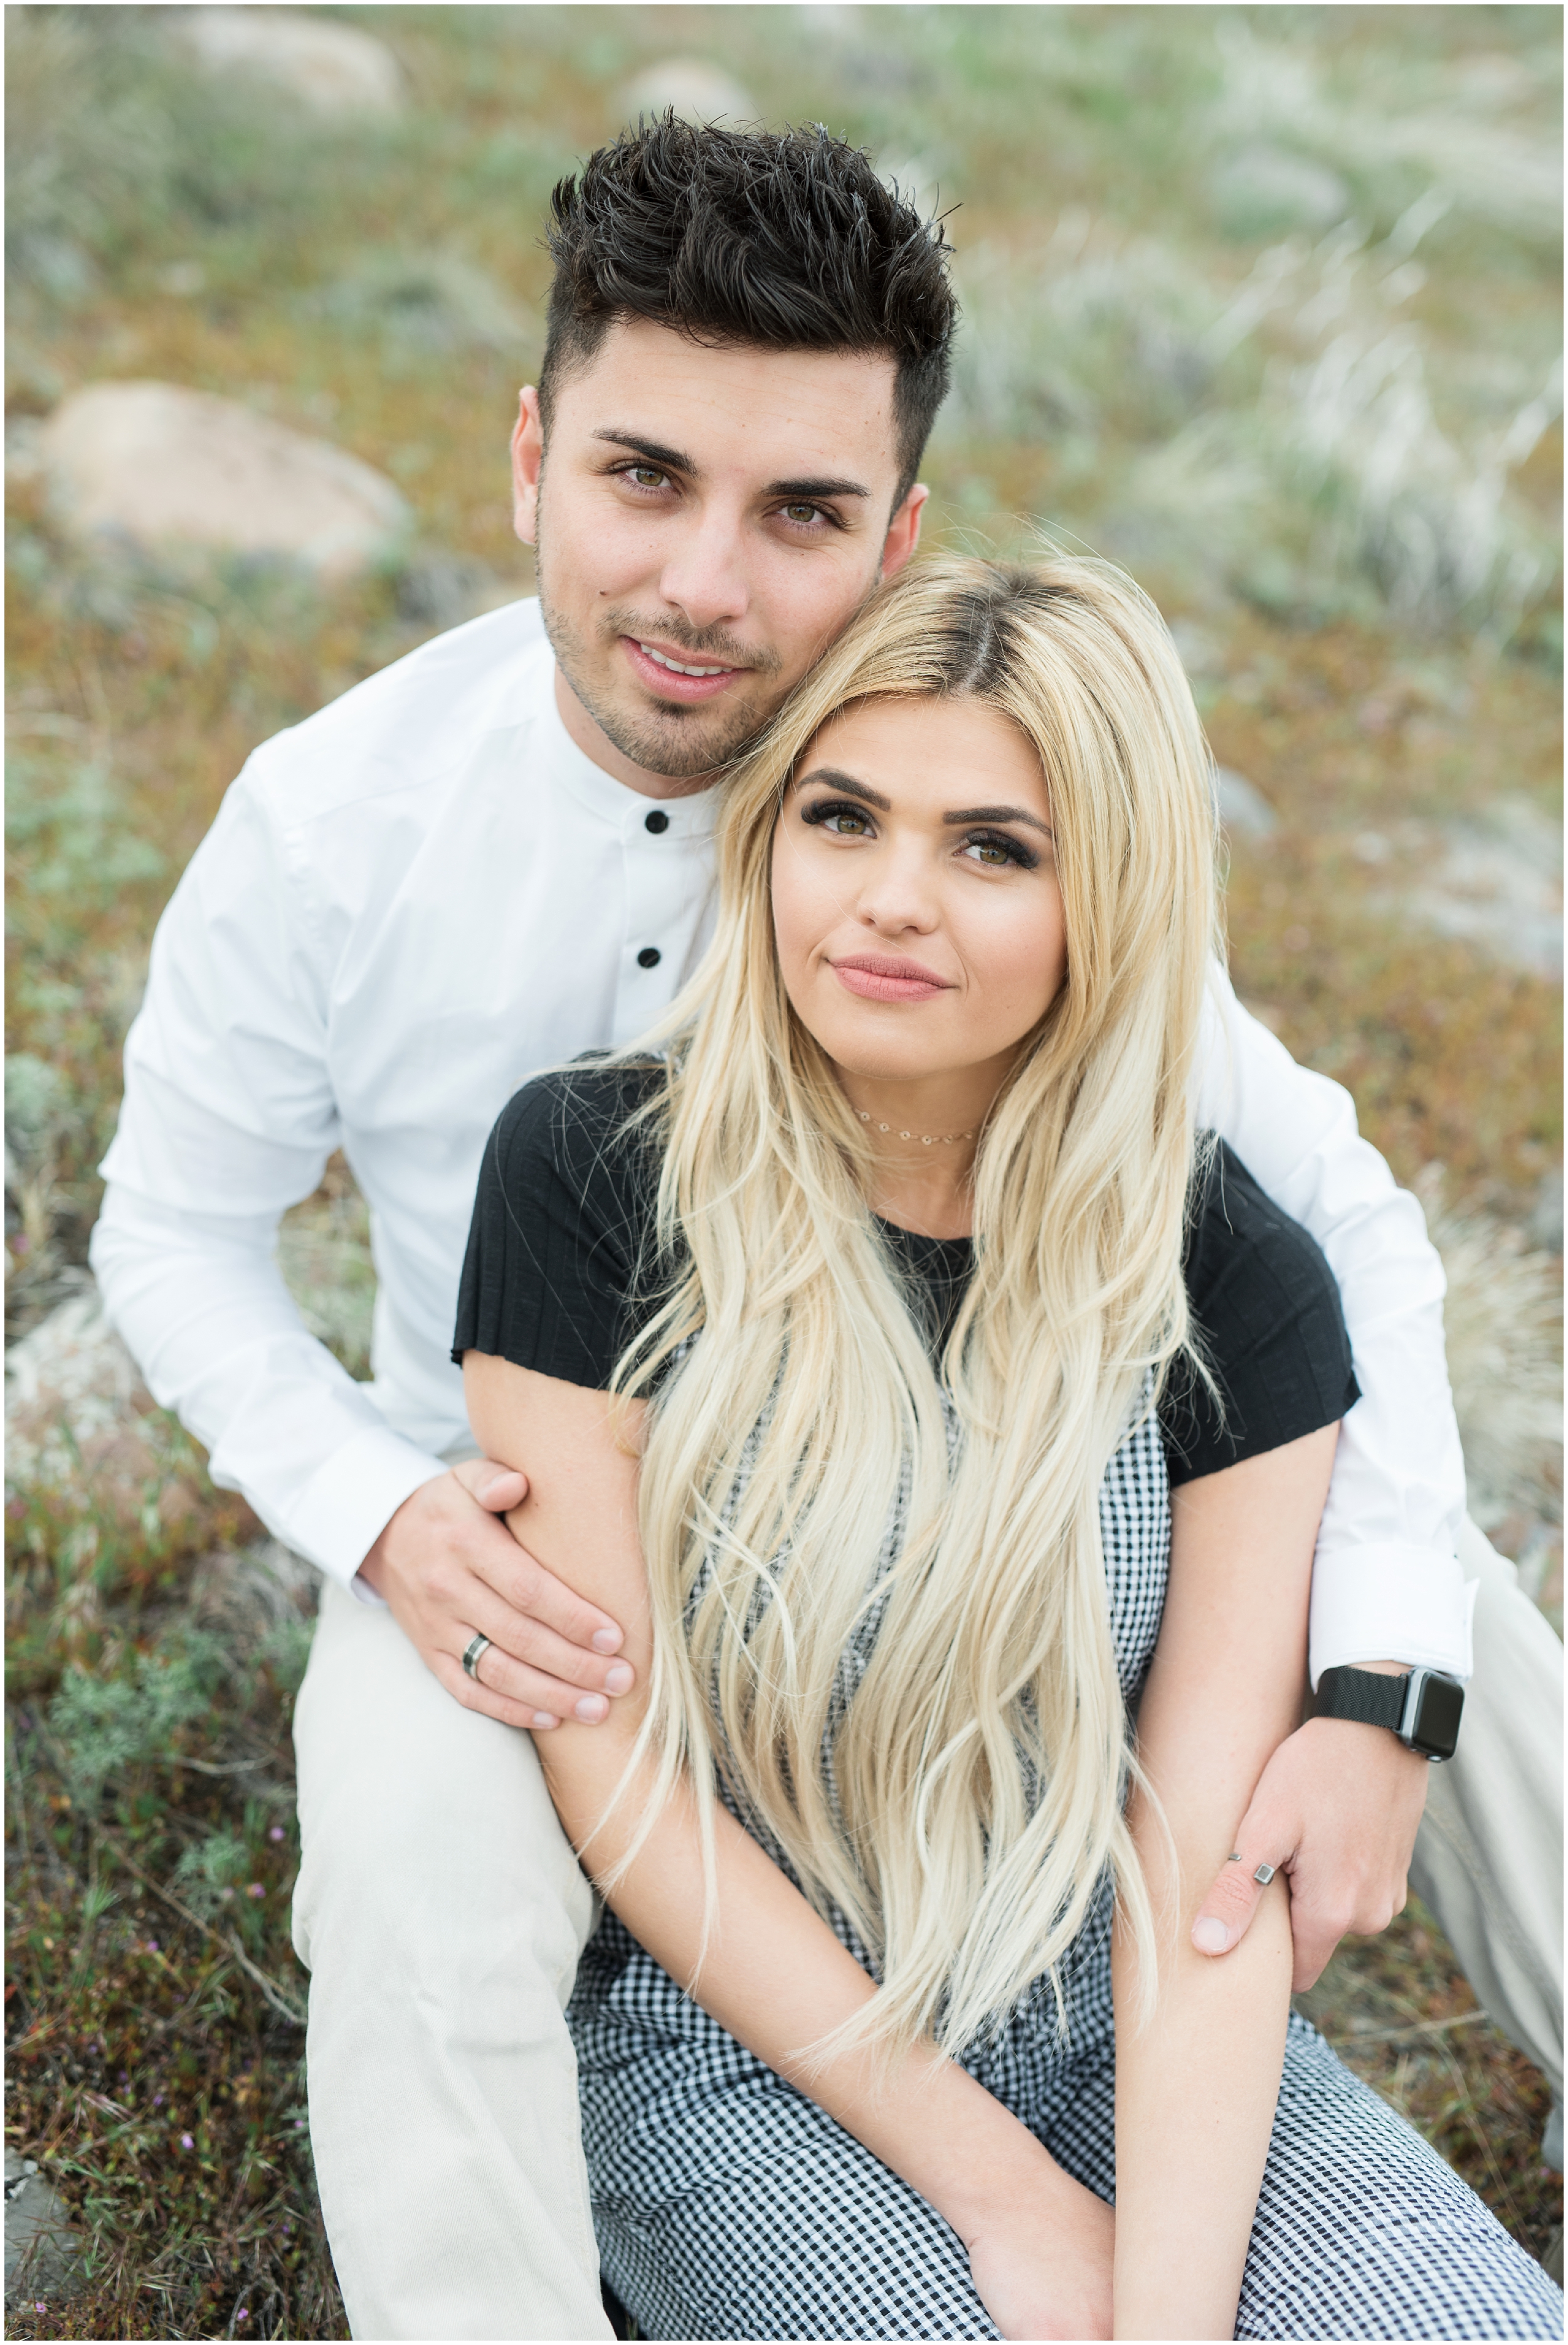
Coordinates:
(543, 1718)
(590, 1709)
(1209, 1934)
(606, 1639)
(618, 1680)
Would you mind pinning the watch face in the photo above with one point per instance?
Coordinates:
(1435, 1727)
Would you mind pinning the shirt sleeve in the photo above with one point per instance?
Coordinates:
(228, 1118)
(558, 1275)
(1386, 1582)
(1266, 1322)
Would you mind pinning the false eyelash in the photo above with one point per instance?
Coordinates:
(1013, 848)
(820, 808)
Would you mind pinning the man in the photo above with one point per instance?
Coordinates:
(493, 856)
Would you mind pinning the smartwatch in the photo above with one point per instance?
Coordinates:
(1422, 1708)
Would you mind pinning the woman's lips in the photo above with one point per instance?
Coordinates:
(667, 682)
(889, 981)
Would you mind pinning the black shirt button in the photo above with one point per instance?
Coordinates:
(649, 956)
(656, 822)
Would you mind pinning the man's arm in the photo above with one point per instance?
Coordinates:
(228, 1118)
(1339, 1804)
(1385, 1581)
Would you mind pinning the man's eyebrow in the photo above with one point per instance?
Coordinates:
(668, 459)
(1000, 814)
(848, 784)
(802, 489)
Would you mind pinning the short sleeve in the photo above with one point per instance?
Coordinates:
(556, 1273)
(1266, 1314)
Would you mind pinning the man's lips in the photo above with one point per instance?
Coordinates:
(876, 979)
(668, 674)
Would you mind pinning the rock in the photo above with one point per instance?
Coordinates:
(430, 302)
(697, 92)
(333, 68)
(1243, 809)
(1500, 885)
(157, 464)
(85, 1435)
(72, 1371)
(44, 2251)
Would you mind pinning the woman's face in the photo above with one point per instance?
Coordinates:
(916, 901)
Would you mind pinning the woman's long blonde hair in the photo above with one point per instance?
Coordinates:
(961, 1798)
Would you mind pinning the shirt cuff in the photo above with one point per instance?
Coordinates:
(347, 1502)
(1390, 1601)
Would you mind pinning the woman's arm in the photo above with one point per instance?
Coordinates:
(774, 1976)
(1197, 2087)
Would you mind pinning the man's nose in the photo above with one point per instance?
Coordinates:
(705, 572)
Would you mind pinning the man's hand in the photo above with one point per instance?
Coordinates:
(1337, 1809)
(450, 1569)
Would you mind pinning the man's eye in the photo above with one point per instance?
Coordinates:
(800, 516)
(646, 476)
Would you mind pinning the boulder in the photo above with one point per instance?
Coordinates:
(335, 69)
(85, 1438)
(43, 2247)
(1500, 885)
(160, 465)
(697, 92)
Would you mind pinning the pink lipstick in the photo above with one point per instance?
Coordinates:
(876, 977)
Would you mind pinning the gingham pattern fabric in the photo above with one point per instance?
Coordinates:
(727, 2205)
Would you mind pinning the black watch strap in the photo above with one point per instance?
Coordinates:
(1362, 1694)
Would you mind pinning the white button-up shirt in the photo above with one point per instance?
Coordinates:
(410, 904)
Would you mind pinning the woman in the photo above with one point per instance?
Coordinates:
(888, 1354)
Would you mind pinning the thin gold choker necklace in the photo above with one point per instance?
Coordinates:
(927, 1139)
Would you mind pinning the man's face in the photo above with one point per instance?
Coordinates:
(718, 510)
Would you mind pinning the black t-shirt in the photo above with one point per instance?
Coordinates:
(561, 1273)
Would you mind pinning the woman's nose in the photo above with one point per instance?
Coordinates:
(900, 892)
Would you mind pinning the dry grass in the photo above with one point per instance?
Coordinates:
(1329, 450)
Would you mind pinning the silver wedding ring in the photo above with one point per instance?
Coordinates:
(476, 1647)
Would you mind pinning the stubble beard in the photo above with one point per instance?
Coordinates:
(682, 745)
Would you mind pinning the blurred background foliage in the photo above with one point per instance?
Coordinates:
(1264, 301)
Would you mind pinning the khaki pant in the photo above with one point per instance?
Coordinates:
(441, 1913)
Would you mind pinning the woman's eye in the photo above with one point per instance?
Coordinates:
(990, 848)
(844, 821)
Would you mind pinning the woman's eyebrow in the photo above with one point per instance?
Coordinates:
(849, 786)
(1000, 814)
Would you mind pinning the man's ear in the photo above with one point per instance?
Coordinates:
(527, 462)
(902, 530)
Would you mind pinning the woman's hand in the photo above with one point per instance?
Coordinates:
(1042, 2260)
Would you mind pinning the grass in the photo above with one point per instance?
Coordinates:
(1265, 302)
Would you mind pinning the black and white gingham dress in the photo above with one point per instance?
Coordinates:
(728, 2205)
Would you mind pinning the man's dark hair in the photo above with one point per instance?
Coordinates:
(784, 241)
